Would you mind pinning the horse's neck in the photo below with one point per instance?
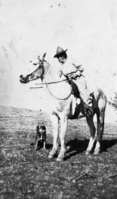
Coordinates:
(51, 74)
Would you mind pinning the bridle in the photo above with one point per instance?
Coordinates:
(48, 83)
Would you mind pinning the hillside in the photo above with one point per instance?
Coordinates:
(21, 119)
(26, 173)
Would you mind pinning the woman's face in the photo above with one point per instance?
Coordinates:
(61, 59)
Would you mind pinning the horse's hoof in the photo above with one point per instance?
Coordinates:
(59, 159)
(96, 152)
(88, 153)
(50, 156)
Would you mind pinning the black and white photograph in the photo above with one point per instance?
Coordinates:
(58, 99)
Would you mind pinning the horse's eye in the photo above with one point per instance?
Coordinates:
(32, 75)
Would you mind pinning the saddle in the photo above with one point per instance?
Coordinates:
(86, 107)
(75, 90)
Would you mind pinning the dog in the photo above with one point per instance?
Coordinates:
(40, 138)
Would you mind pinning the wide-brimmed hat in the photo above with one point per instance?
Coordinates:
(60, 51)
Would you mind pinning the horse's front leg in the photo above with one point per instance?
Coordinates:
(55, 124)
(63, 126)
(92, 134)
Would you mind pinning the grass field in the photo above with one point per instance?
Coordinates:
(26, 174)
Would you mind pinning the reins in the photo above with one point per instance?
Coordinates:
(57, 97)
(48, 83)
(67, 78)
(51, 82)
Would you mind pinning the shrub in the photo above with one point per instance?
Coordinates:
(114, 102)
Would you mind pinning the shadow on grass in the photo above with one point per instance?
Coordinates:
(75, 147)
(79, 146)
(106, 144)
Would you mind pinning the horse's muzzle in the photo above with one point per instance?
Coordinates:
(23, 79)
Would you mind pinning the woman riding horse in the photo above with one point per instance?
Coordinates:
(66, 107)
(73, 71)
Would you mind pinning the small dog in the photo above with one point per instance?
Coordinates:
(40, 138)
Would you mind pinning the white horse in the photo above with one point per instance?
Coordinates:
(65, 105)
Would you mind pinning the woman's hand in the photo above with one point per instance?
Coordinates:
(60, 73)
(75, 75)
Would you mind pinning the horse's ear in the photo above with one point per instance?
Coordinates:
(44, 56)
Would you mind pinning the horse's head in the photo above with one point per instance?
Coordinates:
(38, 73)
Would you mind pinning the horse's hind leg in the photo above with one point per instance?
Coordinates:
(55, 123)
(92, 134)
(100, 121)
(100, 130)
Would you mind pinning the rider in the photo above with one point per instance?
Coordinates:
(74, 72)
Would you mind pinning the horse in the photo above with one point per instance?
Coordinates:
(66, 105)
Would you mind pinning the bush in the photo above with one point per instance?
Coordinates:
(114, 103)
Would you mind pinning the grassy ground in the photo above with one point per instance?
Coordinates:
(26, 174)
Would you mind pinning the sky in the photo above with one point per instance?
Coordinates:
(87, 28)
